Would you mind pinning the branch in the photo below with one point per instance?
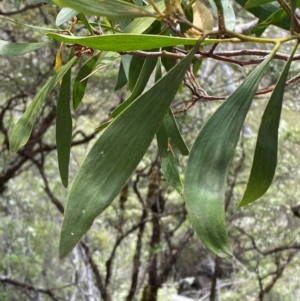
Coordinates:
(29, 287)
(21, 10)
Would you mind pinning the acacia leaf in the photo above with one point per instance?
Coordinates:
(209, 160)
(265, 155)
(169, 161)
(128, 42)
(140, 84)
(64, 127)
(65, 15)
(15, 49)
(112, 9)
(82, 78)
(23, 128)
(115, 155)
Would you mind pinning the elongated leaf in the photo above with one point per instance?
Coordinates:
(81, 80)
(140, 85)
(174, 133)
(265, 156)
(169, 162)
(115, 155)
(264, 12)
(140, 25)
(30, 26)
(209, 160)
(255, 3)
(22, 130)
(15, 49)
(122, 79)
(135, 69)
(64, 128)
(127, 42)
(229, 14)
(113, 9)
(65, 15)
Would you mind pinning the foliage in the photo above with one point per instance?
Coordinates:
(168, 37)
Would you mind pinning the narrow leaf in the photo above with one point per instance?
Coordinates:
(81, 80)
(15, 49)
(115, 156)
(65, 15)
(265, 156)
(140, 25)
(22, 130)
(209, 160)
(122, 79)
(169, 162)
(64, 128)
(140, 85)
(255, 3)
(174, 133)
(128, 42)
(112, 9)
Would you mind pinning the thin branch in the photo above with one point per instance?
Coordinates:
(29, 287)
(21, 10)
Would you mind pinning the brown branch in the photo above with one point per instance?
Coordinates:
(29, 287)
(21, 10)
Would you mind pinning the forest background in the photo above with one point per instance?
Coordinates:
(142, 247)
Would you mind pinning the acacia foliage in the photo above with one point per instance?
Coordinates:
(142, 34)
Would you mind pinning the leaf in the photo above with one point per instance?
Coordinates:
(263, 12)
(265, 156)
(64, 127)
(208, 164)
(136, 65)
(128, 42)
(140, 84)
(254, 3)
(229, 14)
(30, 26)
(174, 133)
(112, 9)
(65, 15)
(15, 49)
(115, 155)
(202, 18)
(122, 79)
(81, 80)
(140, 25)
(22, 130)
(169, 162)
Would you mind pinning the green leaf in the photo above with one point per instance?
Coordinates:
(65, 15)
(140, 84)
(64, 127)
(122, 79)
(15, 49)
(229, 14)
(22, 130)
(86, 23)
(209, 160)
(136, 65)
(169, 162)
(264, 12)
(115, 155)
(255, 3)
(140, 25)
(265, 156)
(128, 42)
(82, 78)
(174, 133)
(112, 9)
